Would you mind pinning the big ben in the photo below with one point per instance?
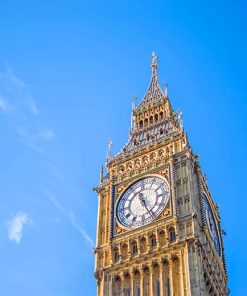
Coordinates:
(158, 228)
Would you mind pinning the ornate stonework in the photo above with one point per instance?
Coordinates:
(180, 251)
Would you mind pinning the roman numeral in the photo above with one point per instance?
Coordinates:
(152, 183)
(158, 188)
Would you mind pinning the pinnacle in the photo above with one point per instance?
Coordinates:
(154, 92)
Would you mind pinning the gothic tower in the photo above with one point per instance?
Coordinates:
(158, 229)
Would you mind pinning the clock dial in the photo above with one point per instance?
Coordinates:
(211, 224)
(142, 202)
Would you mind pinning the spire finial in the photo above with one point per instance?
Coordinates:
(133, 109)
(134, 103)
(166, 89)
(154, 63)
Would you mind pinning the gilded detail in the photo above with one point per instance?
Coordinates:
(158, 229)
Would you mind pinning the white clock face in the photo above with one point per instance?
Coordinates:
(142, 202)
(211, 224)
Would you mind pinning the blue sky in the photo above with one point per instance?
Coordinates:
(68, 73)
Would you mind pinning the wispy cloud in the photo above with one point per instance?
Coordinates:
(20, 108)
(28, 139)
(33, 107)
(16, 81)
(47, 133)
(4, 106)
(70, 215)
(15, 226)
(32, 139)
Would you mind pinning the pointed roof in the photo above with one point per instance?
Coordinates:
(154, 92)
(156, 132)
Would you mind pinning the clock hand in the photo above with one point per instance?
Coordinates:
(143, 202)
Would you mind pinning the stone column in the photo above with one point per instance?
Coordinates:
(110, 285)
(99, 221)
(181, 273)
(171, 276)
(132, 287)
(148, 243)
(161, 279)
(141, 282)
(121, 285)
(187, 270)
(101, 285)
(129, 250)
(138, 245)
(157, 239)
(120, 252)
(151, 280)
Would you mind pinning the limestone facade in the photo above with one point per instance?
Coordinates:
(180, 252)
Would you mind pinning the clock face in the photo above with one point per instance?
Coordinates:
(142, 202)
(211, 224)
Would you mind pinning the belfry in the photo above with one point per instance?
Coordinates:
(158, 228)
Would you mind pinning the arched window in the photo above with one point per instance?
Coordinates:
(141, 124)
(172, 235)
(116, 286)
(156, 279)
(151, 119)
(158, 288)
(162, 238)
(156, 117)
(143, 245)
(116, 255)
(138, 291)
(124, 251)
(146, 282)
(161, 115)
(126, 283)
(167, 287)
(134, 247)
(145, 121)
(153, 241)
(136, 288)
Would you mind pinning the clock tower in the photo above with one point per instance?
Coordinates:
(158, 229)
